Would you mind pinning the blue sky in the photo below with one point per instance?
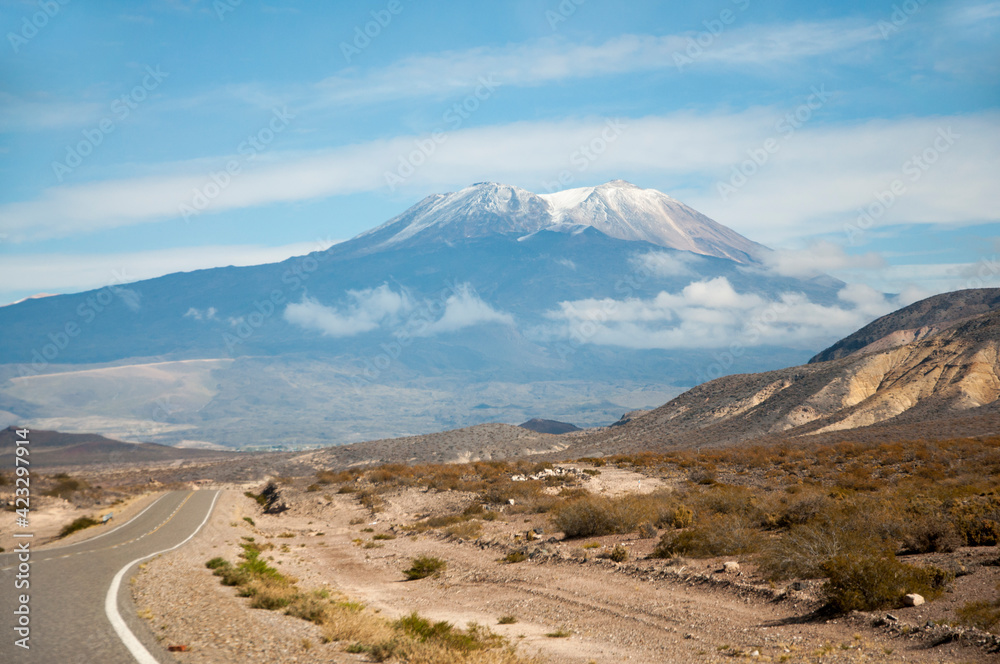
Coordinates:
(861, 137)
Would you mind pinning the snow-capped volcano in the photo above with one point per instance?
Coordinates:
(617, 209)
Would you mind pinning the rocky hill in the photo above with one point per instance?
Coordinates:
(475, 443)
(915, 322)
(948, 381)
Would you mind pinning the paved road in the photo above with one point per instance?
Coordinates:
(72, 609)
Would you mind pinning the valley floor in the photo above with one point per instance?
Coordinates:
(641, 611)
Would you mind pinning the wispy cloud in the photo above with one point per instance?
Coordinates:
(24, 274)
(43, 114)
(818, 182)
(553, 60)
(818, 258)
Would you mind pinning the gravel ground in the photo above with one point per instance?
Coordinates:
(640, 611)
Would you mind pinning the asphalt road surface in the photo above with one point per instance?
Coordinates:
(76, 617)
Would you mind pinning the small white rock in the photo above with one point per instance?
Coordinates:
(913, 599)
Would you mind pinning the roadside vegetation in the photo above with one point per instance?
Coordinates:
(848, 513)
(77, 524)
(412, 638)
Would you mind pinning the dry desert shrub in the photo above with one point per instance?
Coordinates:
(467, 530)
(984, 614)
(871, 580)
(592, 516)
(804, 550)
(718, 535)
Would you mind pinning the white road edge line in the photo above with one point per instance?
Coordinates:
(133, 644)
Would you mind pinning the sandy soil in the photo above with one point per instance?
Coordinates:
(638, 611)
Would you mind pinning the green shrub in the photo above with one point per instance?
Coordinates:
(77, 524)
(424, 566)
(678, 517)
(619, 554)
(868, 581)
(474, 637)
(216, 563)
(515, 556)
(507, 620)
(310, 606)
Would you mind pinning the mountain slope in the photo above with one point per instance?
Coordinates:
(622, 210)
(954, 374)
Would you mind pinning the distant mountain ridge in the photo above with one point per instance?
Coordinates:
(54, 448)
(918, 321)
(549, 426)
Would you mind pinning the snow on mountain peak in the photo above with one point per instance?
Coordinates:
(618, 209)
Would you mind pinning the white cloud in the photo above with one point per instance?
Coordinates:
(463, 309)
(816, 259)
(711, 314)
(25, 274)
(367, 310)
(383, 308)
(199, 314)
(663, 264)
